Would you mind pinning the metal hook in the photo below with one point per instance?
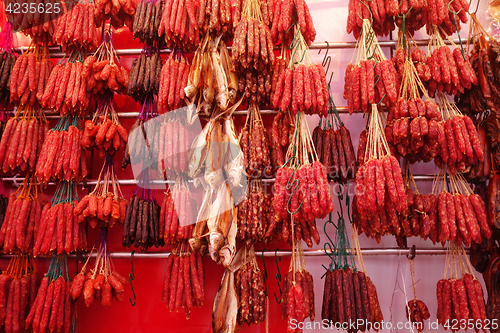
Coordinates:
(412, 253)
(278, 277)
(131, 278)
(15, 181)
(264, 273)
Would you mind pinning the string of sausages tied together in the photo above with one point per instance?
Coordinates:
(52, 309)
(18, 288)
(301, 179)
(102, 282)
(460, 297)
(7, 61)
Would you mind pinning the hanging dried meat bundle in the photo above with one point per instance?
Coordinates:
(66, 89)
(451, 70)
(120, 12)
(249, 285)
(282, 135)
(145, 74)
(178, 214)
(381, 12)
(301, 189)
(29, 76)
(58, 230)
(76, 28)
(179, 24)
(380, 193)
(184, 283)
(62, 156)
(102, 282)
(22, 218)
(253, 50)
(335, 149)
(254, 143)
(372, 79)
(297, 299)
(216, 152)
(460, 296)
(255, 215)
(302, 85)
(290, 16)
(142, 218)
(212, 83)
(104, 131)
(482, 169)
(147, 19)
(212, 16)
(462, 213)
(460, 147)
(175, 143)
(416, 310)
(52, 309)
(102, 71)
(173, 79)
(349, 296)
(104, 205)
(417, 56)
(38, 24)
(22, 140)
(447, 16)
(18, 288)
(414, 129)
(7, 61)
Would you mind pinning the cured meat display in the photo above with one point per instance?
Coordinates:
(7, 61)
(145, 75)
(147, 20)
(119, 13)
(180, 24)
(282, 135)
(173, 79)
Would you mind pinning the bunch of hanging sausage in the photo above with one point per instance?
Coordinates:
(76, 29)
(380, 193)
(175, 228)
(282, 135)
(297, 300)
(102, 74)
(304, 88)
(334, 149)
(21, 224)
(419, 59)
(100, 285)
(107, 208)
(249, 285)
(147, 20)
(145, 75)
(107, 135)
(348, 297)
(417, 312)
(312, 191)
(284, 14)
(21, 143)
(463, 300)
(28, 79)
(52, 309)
(212, 16)
(62, 156)
(254, 215)
(173, 79)
(184, 284)
(174, 144)
(17, 295)
(360, 89)
(7, 62)
(66, 89)
(460, 147)
(383, 13)
(141, 146)
(254, 144)
(414, 130)
(179, 24)
(450, 71)
(59, 231)
(120, 12)
(442, 13)
(141, 226)
(39, 24)
(266, 9)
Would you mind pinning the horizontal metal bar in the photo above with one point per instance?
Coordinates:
(133, 182)
(56, 52)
